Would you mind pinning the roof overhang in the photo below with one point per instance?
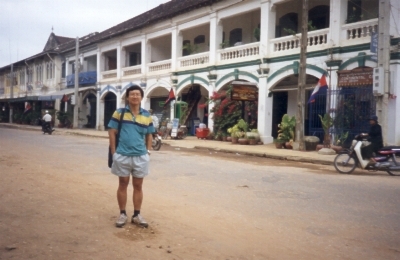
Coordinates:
(53, 95)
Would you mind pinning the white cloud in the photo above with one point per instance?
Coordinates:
(25, 25)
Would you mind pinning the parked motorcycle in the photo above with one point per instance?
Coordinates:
(156, 145)
(387, 159)
(46, 128)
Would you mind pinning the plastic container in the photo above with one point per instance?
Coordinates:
(202, 133)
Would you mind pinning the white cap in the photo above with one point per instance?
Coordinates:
(47, 111)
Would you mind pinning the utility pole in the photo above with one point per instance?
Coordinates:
(11, 93)
(299, 136)
(384, 62)
(77, 68)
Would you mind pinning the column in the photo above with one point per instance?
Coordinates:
(144, 54)
(98, 65)
(118, 94)
(98, 107)
(66, 67)
(264, 111)
(176, 47)
(338, 14)
(119, 61)
(211, 89)
(216, 30)
(267, 24)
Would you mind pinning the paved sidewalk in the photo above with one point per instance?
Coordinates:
(268, 150)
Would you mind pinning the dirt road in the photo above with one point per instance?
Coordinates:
(58, 202)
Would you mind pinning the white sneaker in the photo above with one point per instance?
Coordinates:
(139, 220)
(121, 220)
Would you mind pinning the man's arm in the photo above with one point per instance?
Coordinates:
(112, 133)
(149, 141)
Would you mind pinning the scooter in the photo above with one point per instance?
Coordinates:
(387, 158)
(156, 145)
(46, 128)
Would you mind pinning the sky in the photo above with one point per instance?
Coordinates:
(25, 25)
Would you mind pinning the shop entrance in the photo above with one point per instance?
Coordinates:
(110, 105)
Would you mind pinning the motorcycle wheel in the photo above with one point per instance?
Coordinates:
(344, 163)
(157, 145)
(391, 172)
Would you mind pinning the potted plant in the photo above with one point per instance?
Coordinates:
(242, 137)
(279, 144)
(63, 118)
(327, 123)
(286, 130)
(252, 139)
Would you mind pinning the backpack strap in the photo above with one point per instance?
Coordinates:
(119, 128)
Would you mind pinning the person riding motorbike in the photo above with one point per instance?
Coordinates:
(46, 121)
(375, 137)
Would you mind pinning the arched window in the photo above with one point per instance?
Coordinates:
(185, 50)
(318, 17)
(200, 39)
(39, 73)
(47, 71)
(288, 25)
(235, 36)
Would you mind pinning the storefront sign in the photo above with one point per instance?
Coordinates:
(175, 126)
(244, 91)
(356, 77)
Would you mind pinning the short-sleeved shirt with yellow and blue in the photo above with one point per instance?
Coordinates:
(133, 131)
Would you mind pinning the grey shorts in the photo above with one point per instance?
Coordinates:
(124, 166)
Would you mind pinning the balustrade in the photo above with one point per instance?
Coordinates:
(314, 38)
(133, 70)
(160, 65)
(193, 60)
(361, 30)
(238, 52)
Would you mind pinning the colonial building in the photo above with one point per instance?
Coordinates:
(197, 47)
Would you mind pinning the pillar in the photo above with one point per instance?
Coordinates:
(264, 110)
(216, 30)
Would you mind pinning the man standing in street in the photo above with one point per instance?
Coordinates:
(132, 155)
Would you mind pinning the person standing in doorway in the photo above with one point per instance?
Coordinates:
(132, 156)
(154, 118)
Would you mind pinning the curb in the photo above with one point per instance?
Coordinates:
(270, 156)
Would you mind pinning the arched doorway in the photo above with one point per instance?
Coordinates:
(157, 98)
(110, 105)
(193, 95)
(285, 99)
(90, 105)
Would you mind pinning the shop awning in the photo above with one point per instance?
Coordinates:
(59, 94)
(20, 99)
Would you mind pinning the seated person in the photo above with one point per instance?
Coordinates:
(375, 137)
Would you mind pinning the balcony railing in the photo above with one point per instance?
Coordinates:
(314, 38)
(160, 65)
(239, 52)
(109, 74)
(85, 78)
(360, 30)
(194, 60)
(133, 70)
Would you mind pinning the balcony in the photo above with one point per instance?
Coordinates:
(199, 59)
(360, 31)
(132, 71)
(315, 39)
(241, 52)
(109, 74)
(85, 78)
(160, 65)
